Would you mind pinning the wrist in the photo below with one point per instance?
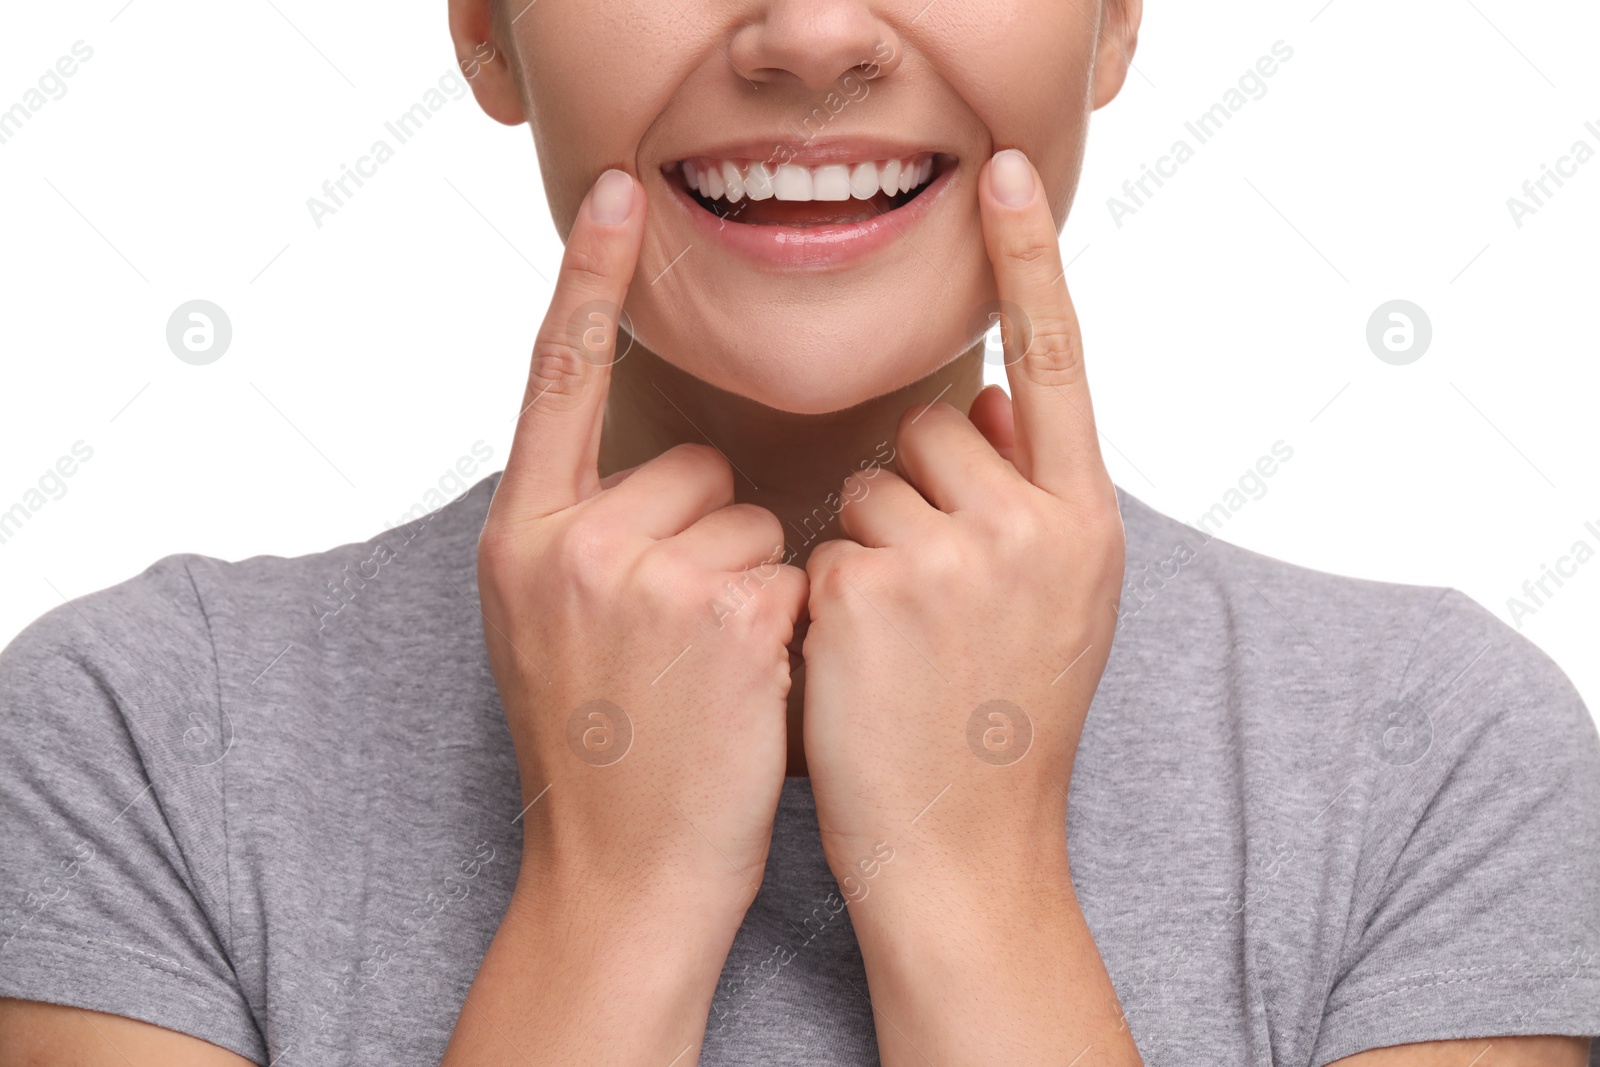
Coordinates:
(990, 894)
(993, 970)
(615, 910)
(597, 973)
(665, 950)
(925, 872)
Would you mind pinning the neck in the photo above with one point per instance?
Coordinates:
(792, 465)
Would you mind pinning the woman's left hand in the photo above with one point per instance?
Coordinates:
(959, 630)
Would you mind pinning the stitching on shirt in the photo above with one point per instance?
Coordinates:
(187, 975)
(1409, 986)
(1373, 890)
(1422, 636)
(1485, 967)
(172, 966)
(222, 770)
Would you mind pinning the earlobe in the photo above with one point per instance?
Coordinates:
(485, 64)
(1118, 39)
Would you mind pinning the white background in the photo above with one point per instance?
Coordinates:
(1227, 314)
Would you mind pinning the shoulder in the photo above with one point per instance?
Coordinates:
(1435, 724)
(190, 626)
(124, 641)
(1176, 568)
(432, 552)
(1421, 781)
(1385, 641)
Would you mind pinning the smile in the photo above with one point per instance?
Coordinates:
(808, 214)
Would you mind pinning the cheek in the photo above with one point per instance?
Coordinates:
(1024, 67)
(596, 74)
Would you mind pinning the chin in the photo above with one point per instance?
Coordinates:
(814, 363)
(814, 343)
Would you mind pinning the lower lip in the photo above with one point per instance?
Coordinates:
(827, 247)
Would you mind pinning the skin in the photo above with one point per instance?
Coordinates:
(604, 582)
(840, 355)
(980, 565)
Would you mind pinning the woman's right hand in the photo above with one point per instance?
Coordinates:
(649, 723)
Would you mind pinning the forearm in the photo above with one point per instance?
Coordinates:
(989, 970)
(579, 977)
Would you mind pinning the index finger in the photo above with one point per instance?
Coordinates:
(1057, 446)
(554, 453)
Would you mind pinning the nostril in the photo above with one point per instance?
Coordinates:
(822, 46)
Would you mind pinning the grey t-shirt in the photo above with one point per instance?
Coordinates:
(271, 804)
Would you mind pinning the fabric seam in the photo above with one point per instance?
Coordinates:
(1500, 974)
(1342, 964)
(1433, 613)
(86, 945)
(222, 771)
(83, 941)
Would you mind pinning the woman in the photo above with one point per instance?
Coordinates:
(788, 698)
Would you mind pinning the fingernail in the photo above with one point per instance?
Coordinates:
(612, 198)
(1011, 178)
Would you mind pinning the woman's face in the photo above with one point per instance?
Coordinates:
(786, 273)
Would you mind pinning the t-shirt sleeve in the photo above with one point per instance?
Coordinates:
(1476, 911)
(113, 859)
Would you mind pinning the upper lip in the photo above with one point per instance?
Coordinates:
(784, 148)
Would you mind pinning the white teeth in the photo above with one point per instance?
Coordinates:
(733, 182)
(758, 182)
(864, 181)
(792, 182)
(889, 176)
(830, 183)
(719, 179)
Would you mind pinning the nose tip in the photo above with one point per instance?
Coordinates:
(816, 42)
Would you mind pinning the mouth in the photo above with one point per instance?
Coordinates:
(829, 207)
(763, 193)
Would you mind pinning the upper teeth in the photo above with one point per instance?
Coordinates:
(716, 179)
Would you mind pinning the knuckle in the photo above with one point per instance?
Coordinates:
(832, 574)
(1029, 248)
(585, 556)
(794, 585)
(751, 619)
(705, 462)
(499, 554)
(763, 528)
(696, 454)
(558, 372)
(941, 563)
(760, 609)
(1101, 524)
(583, 271)
(833, 586)
(1055, 357)
(702, 454)
(663, 584)
(1017, 527)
